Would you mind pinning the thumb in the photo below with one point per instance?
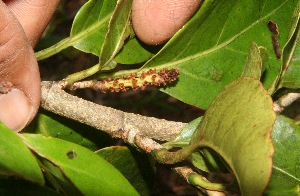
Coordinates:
(19, 74)
(154, 22)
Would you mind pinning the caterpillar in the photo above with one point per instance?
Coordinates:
(132, 81)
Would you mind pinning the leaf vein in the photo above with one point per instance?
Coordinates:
(286, 173)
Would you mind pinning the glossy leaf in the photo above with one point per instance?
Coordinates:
(118, 31)
(210, 50)
(88, 30)
(16, 160)
(286, 169)
(91, 24)
(135, 166)
(291, 56)
(91, 174)
(49, 124)
(238, 127)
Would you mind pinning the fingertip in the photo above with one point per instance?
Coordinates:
(16, 110)
(155, 22)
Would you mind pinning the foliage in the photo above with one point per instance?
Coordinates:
(225, 119)
(238, 135)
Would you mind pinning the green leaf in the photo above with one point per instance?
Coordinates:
(50, 124)
(91, 174)
(118, 31)
(184, 137)
(265, 60)
(286, 171)
(209, 161)
(135, 52)
(91, 24)
(109, 66)
(135, 166)
(253, 67)
(188, 131)
(210, 50)
(16, 159)
(291, 57)
(238, 127)
(58, 179)
(88, 30)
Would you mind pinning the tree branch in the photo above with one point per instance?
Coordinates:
(114, 122)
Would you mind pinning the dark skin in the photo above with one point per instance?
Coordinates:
(23, 21)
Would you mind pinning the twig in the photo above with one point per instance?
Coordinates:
(185, 172)
(112, 121)
(285, 101)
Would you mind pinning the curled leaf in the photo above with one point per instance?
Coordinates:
(238, 127)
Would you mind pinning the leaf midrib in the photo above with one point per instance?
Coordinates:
(213, 49)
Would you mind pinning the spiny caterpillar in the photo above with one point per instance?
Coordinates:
(151, 77)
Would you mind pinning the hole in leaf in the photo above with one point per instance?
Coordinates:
(71, 154)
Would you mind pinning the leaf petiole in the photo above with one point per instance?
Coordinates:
(198, 180)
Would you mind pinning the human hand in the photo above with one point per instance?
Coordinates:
(155, 21)
(21, 25)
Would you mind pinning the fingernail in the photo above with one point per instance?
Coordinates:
(15, 110)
